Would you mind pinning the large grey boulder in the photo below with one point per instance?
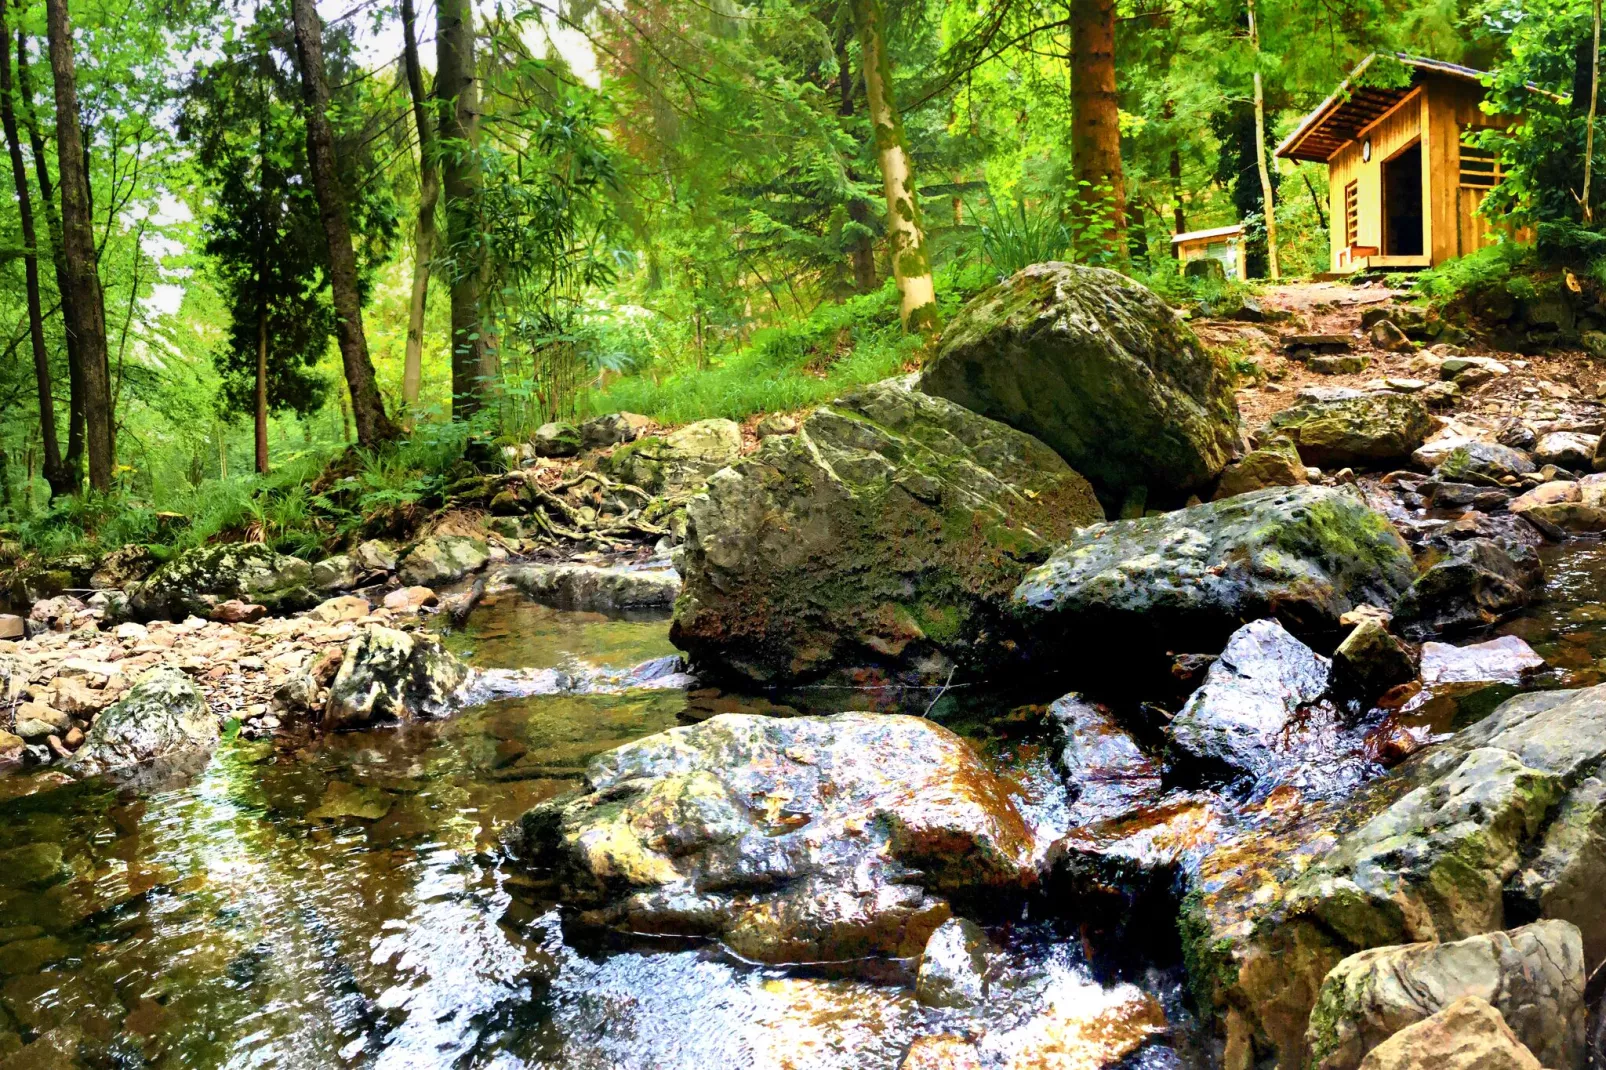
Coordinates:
(441, 559)
(1534, 976)
(1367, 430)
(1098, 367)
(195, 581)
(803, 839)
(1184, 581)
(1478, 582)
(677, 463)
(593, 589)
(1497, 826)
(889, 532)
(388, 676)
(162, 716)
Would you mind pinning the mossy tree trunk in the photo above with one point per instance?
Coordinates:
(862, 250)
(1096, 121)
(911, 266)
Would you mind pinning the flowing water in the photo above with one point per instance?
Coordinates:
(340, 902)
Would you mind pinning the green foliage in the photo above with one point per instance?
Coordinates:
(1494, 267)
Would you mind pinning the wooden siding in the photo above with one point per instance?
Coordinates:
(1390, 135)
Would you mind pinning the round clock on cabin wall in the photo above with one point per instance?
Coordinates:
(1366, 151)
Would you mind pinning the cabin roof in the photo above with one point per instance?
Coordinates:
(1232, 231)
(1352, 108)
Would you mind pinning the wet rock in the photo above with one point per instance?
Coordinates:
(1371, 430)
(1467, 1035)
(586, 587)
(34, 865)
(1552, 493)
(888, 532)
(613, 428)
(954, 966)
(1106, 771)
(337, 573)
(941, 1051)
(1257, 715)
(1098, 367)
(35, 721)
(1486, 463)
(1370, 661)
(375, 555)
(1534, 976)
(163, 716)
(556, 440)
(360, 801)
(1477, 583)
(1503, 660)
(56, 1049)
(1276, 465)
(1567, 449)
(194, 582)
(1435, 851)
(791, 839)
(677, 463)
(1089, 1028)
(1186, 580)
(410, 599)
(441, 559)
(776, 423)
(387, 676)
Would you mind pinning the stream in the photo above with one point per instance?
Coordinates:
(340, 902)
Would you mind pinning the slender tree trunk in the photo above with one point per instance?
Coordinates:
(373, 426)
(456, 86)
(1589, 130)
(55, 474)
(87, 318)
(262, 387)
(73, 463)
(911, 266)
(1096, 117)
(862, 251)
(424, 229)
(1266, 196)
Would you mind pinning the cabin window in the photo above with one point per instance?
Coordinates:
(1352, 213)
(1480, 168)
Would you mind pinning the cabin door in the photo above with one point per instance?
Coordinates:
(1402, 203)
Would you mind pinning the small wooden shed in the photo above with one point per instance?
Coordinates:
(1220, 243)
(1404, 177)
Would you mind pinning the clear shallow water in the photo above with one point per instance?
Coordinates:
(339, 903)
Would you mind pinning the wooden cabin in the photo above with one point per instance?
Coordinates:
(1220, 243)
(1403, 180)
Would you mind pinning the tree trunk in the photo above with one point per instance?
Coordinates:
(262, 386)
(56, 475)
(863, 250)
(73, 463)
(373, 426)
(911, 267)
(1096, 118)
(1589, 130)
(85, 311)
(424, 229)
(473, 365)
(1260, 152)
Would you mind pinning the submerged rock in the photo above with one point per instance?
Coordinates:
(197, 580)
(1186, 580)
(1467, 1035)
(1492, 828)
(791, 839)
(954, 965)
(887, 532)
(1479, 582)
(1534, 976)
(387, 676)
(586, 587)
(1099, 368)
(679, 462)
(162, 715)
(1366, 430)
(1105, 770)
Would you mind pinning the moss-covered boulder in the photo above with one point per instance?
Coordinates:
(1100, 368)
(1355, 429)
(797, 839)
(195, 581)
(1497, 827)
(441, 559)
(163, 715)
(679, 462)
(887, 532)
(1185, 580)
(388, 676)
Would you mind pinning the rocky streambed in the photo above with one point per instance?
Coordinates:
(1029, 713)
